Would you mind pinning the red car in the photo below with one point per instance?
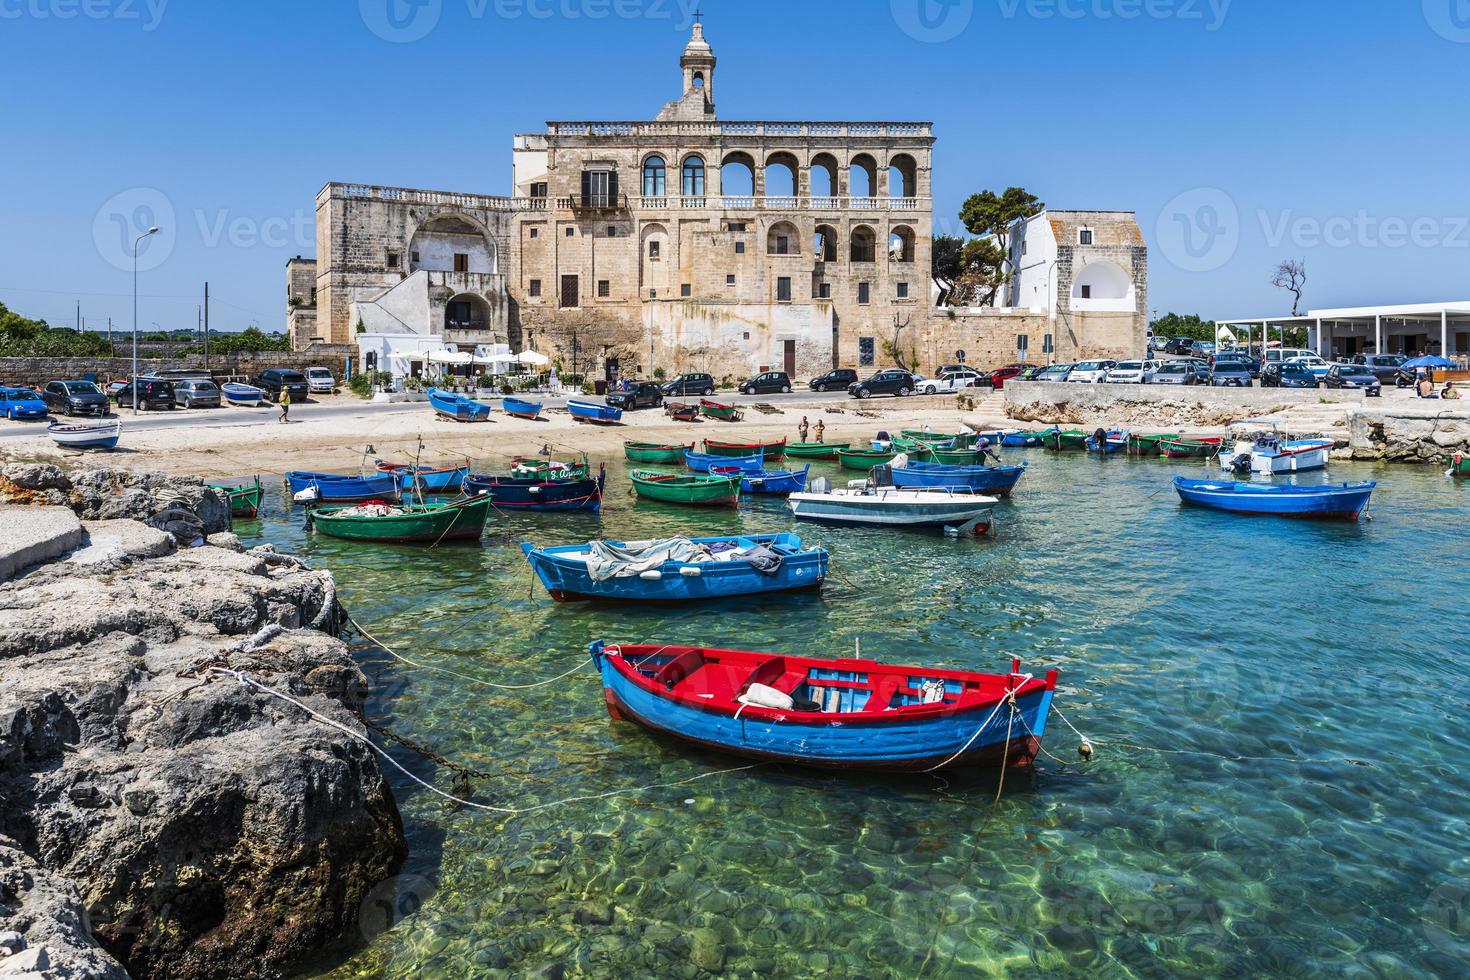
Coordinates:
(1000, 376)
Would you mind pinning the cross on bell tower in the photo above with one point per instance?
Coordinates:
(698, 64)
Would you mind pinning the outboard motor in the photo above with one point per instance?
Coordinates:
(880, 476)
(1241, 463)
(819, 485)
(1100, 438)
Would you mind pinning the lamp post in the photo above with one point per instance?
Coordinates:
(136, 242)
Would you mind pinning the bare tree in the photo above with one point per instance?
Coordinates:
(1291, 275)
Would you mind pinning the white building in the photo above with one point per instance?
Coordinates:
(1410, 329)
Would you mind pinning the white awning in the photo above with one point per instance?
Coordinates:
(531, 357)
(450, 357)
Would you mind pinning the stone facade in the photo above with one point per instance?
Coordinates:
(34, 371)
(301, 303)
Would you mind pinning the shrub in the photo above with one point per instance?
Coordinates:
(362, 384)
(659, 374)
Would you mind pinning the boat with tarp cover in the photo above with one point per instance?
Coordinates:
(830, 713)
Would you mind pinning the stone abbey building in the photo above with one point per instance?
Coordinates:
(685, 242)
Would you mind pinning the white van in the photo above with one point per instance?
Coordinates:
(1275, 355)
(320, 381)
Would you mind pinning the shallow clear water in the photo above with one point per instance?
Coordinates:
(1278, 708)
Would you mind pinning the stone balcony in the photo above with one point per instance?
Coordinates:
(716, 129)
(746, 202)
(479, 283)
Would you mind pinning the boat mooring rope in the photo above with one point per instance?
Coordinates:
(464, 677)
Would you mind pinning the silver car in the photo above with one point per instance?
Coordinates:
(1175, 373)
(196, 393)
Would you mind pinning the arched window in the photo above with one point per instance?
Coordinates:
(693, 177)
(824, 243)
(653, 176)
(862, 246)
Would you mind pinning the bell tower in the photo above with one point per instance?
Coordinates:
(697, 101)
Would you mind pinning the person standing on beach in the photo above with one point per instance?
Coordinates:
(801, 430)
(821, 427)
(285, 405)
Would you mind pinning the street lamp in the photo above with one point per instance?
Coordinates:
(136, 242)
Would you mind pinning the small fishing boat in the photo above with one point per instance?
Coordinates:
(85, 435)
(546, 468)
(891, 507)
(956, 440)
(913, 448)
(1148, 445)
(953, 457)
(703, 462)
(245, 498)
(456, 407)
(653, 452)
(426, 479)
(382, 522)
(242, 394)
(1067, 440)
(520, 408)
(1107, 442)
(771, 450)
(1190, 448)
(997, 481)
(678, 569)
(1346, 501)
(1025, 440)
(1460, 466)
(687, 488)
(769, 481)
(865, 459)
(1269, 454)
(720, 410)
(828, 713)
(307, 488)
(814, 450)
(680, 412)
(594, 413)
(530, 494)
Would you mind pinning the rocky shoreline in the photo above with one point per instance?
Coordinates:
(158, 818)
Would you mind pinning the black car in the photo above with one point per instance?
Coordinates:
(1278, 375)
(1353, 376)
(75, 398)
(691, 384)
(890, 382)
(1230, 372)
(153, 393)
(275, 380)
(766, 384)
(835, 379)
(1385, 367)
(637, 394)
(1178, 345)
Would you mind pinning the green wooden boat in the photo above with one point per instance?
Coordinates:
(459, 520)
(1147, 445)
(245, 499)
(958, 457)
(1460, 466)
(1063, 440)
(687, 488)
(653, 452)
(1190, 448)
(944, 440)
(815, 450)
(720, 410)
(864, 459)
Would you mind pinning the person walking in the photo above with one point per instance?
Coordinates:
(801, 430)
(285, 405)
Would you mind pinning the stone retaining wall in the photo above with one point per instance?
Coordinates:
(1162, 405)
(1408, 435)
(35, 371)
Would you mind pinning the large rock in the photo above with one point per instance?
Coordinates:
(35, 534)
(43, 925)
(112, 494)
(1409, 434)
(210, 829)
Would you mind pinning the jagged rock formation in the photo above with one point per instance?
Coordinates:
(1410, 435)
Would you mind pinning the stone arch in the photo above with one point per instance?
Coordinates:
(901, 244)
(824, 244)
(468, 311)
(438, 239)
(780, 177)
(653, 246)
(654, 180)
(783, 238)
(862, 248)
(903, 176)
(692, 176)
(737, 174)
(823, 178)
(862, 176)
(1102, 285)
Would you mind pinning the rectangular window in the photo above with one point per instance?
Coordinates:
(461, 262)
(653, 294)
(612, 231)
(599, 188)
(538, 189)
(535, 287)
(903, 290)
(865, 352)
(824, 290)
(313, 295)
(1023, 343)
(1087, 292)
(734, 226)
(783, 289)
(739, 248)
(862, 293)
(653, 248)
(782, 245)
(604, 288)
(569, 291)
(570, 231)
(535, 232)
(730, 279)
(685, 289)
(392, 260)
(1084, 237)
(413, 257)
(1023, 246)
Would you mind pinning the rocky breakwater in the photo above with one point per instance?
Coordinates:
(1411, 434)
(157, 816)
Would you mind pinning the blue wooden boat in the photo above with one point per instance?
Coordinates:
(427, 479)
(460, 408)
(831, 714)
(997, 481)
(667, 571)
(772, 481)
(520, 408)
(539, 493)
(701, 462)
(1107, 442)
(1023, 440)
(320, 488)
(1345, 501)
(85, 435)
(593, 412)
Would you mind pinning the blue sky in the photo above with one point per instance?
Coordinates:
(1241, 131)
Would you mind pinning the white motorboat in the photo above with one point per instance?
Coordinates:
(859, 503)
(1270, 454)
(86, 435)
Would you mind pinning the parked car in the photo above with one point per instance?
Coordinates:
(1201, 348)
(1175, 373)
(75, 398)
(1056, 372)
(1090, 372)
(1384, 366)
(196, 393)
(636, 395)
(951, 381)
(1353, 376)
(836, 379)
(1313, 363)
(998, 378)
(1278, 354)
(273, 381)
(694, 384)
(1230, 372)
(22, 403)
(765, 384)
(320, 381)
(952, 369)
(1287, 375)
(153, 393)
(1127, 372)
(1178, 345)
(890, 382)
(1031, 373)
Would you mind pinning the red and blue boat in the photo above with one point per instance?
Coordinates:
(1345, 501)
(540, 493)
(828, 713)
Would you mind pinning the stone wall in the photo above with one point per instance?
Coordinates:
(35, 371)
(1408, 435)
(1157, 405)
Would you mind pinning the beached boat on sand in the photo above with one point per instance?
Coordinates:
(241, 394)
(85, 435)
(458, 408)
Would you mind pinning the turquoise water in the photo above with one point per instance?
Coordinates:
(1278, 710)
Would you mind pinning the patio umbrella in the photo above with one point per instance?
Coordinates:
(1428, 361)
(531, 357)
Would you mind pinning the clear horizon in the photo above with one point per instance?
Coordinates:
(1240, 132)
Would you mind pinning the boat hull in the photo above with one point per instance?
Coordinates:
(332, 488)
(1342, 502)
(644, 452)
(1298, 456)
(894, 508)
(863, 459)
(996, 481)
(555, 495)
(521, 409)
(1189, 448)
(770, 450)
(458, 408)
(695, 491)
(775, 481)
(703, 462)
(593, 412)
(815, 450)
(428, 479)
(1460, 467)
(245, 499)
(103, 435)
(1067, 440)
(238, 394)
(459, 521)
(716, 410)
